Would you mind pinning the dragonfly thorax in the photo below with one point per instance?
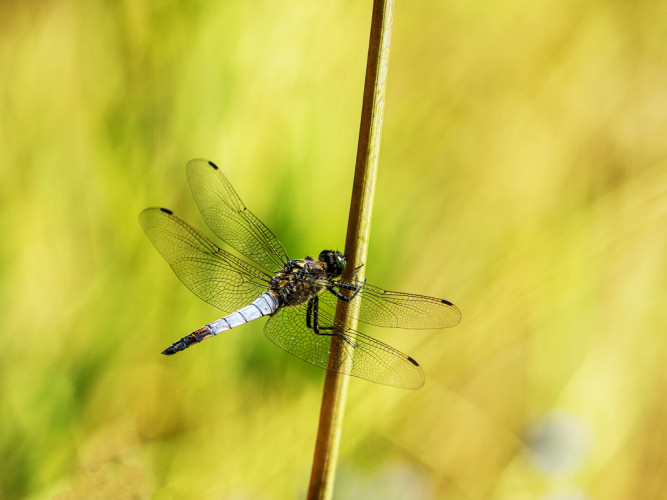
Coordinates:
(299, 281)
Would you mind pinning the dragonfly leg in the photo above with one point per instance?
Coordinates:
(357, 287)
(312, 318)
(309, 315)
(347, 286)
(356, 277)
(312, 322)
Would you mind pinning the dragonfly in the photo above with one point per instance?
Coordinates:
(299, 296)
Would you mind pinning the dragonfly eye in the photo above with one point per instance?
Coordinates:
(334, 262)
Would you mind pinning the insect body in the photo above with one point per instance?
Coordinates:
(300, 296)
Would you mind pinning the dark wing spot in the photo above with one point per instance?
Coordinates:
(167, 211)
(213, 165)
(447, 302)
(412, 361)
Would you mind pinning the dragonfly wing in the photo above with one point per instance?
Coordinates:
(228, 217)
(364, 357)
(399, 310)
(215, 276)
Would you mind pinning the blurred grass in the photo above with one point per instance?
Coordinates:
(523, 175)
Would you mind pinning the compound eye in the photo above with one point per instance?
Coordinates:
(340, 262)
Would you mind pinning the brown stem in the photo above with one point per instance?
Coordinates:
(356, 245)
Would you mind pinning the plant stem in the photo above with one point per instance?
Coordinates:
(356, 245)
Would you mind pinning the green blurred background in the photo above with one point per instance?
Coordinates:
(523, 175)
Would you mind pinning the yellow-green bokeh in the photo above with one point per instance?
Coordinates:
(523, 175)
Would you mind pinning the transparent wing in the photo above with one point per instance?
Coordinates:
(398, 310)
(368, 358)
(215, 276)
(228, 217)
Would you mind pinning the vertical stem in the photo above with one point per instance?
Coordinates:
(356, 245)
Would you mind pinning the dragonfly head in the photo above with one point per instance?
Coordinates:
(334, 262)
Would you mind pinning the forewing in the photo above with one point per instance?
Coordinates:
(228, 217)
(399, 310)
(215, 276)
(364, 357)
